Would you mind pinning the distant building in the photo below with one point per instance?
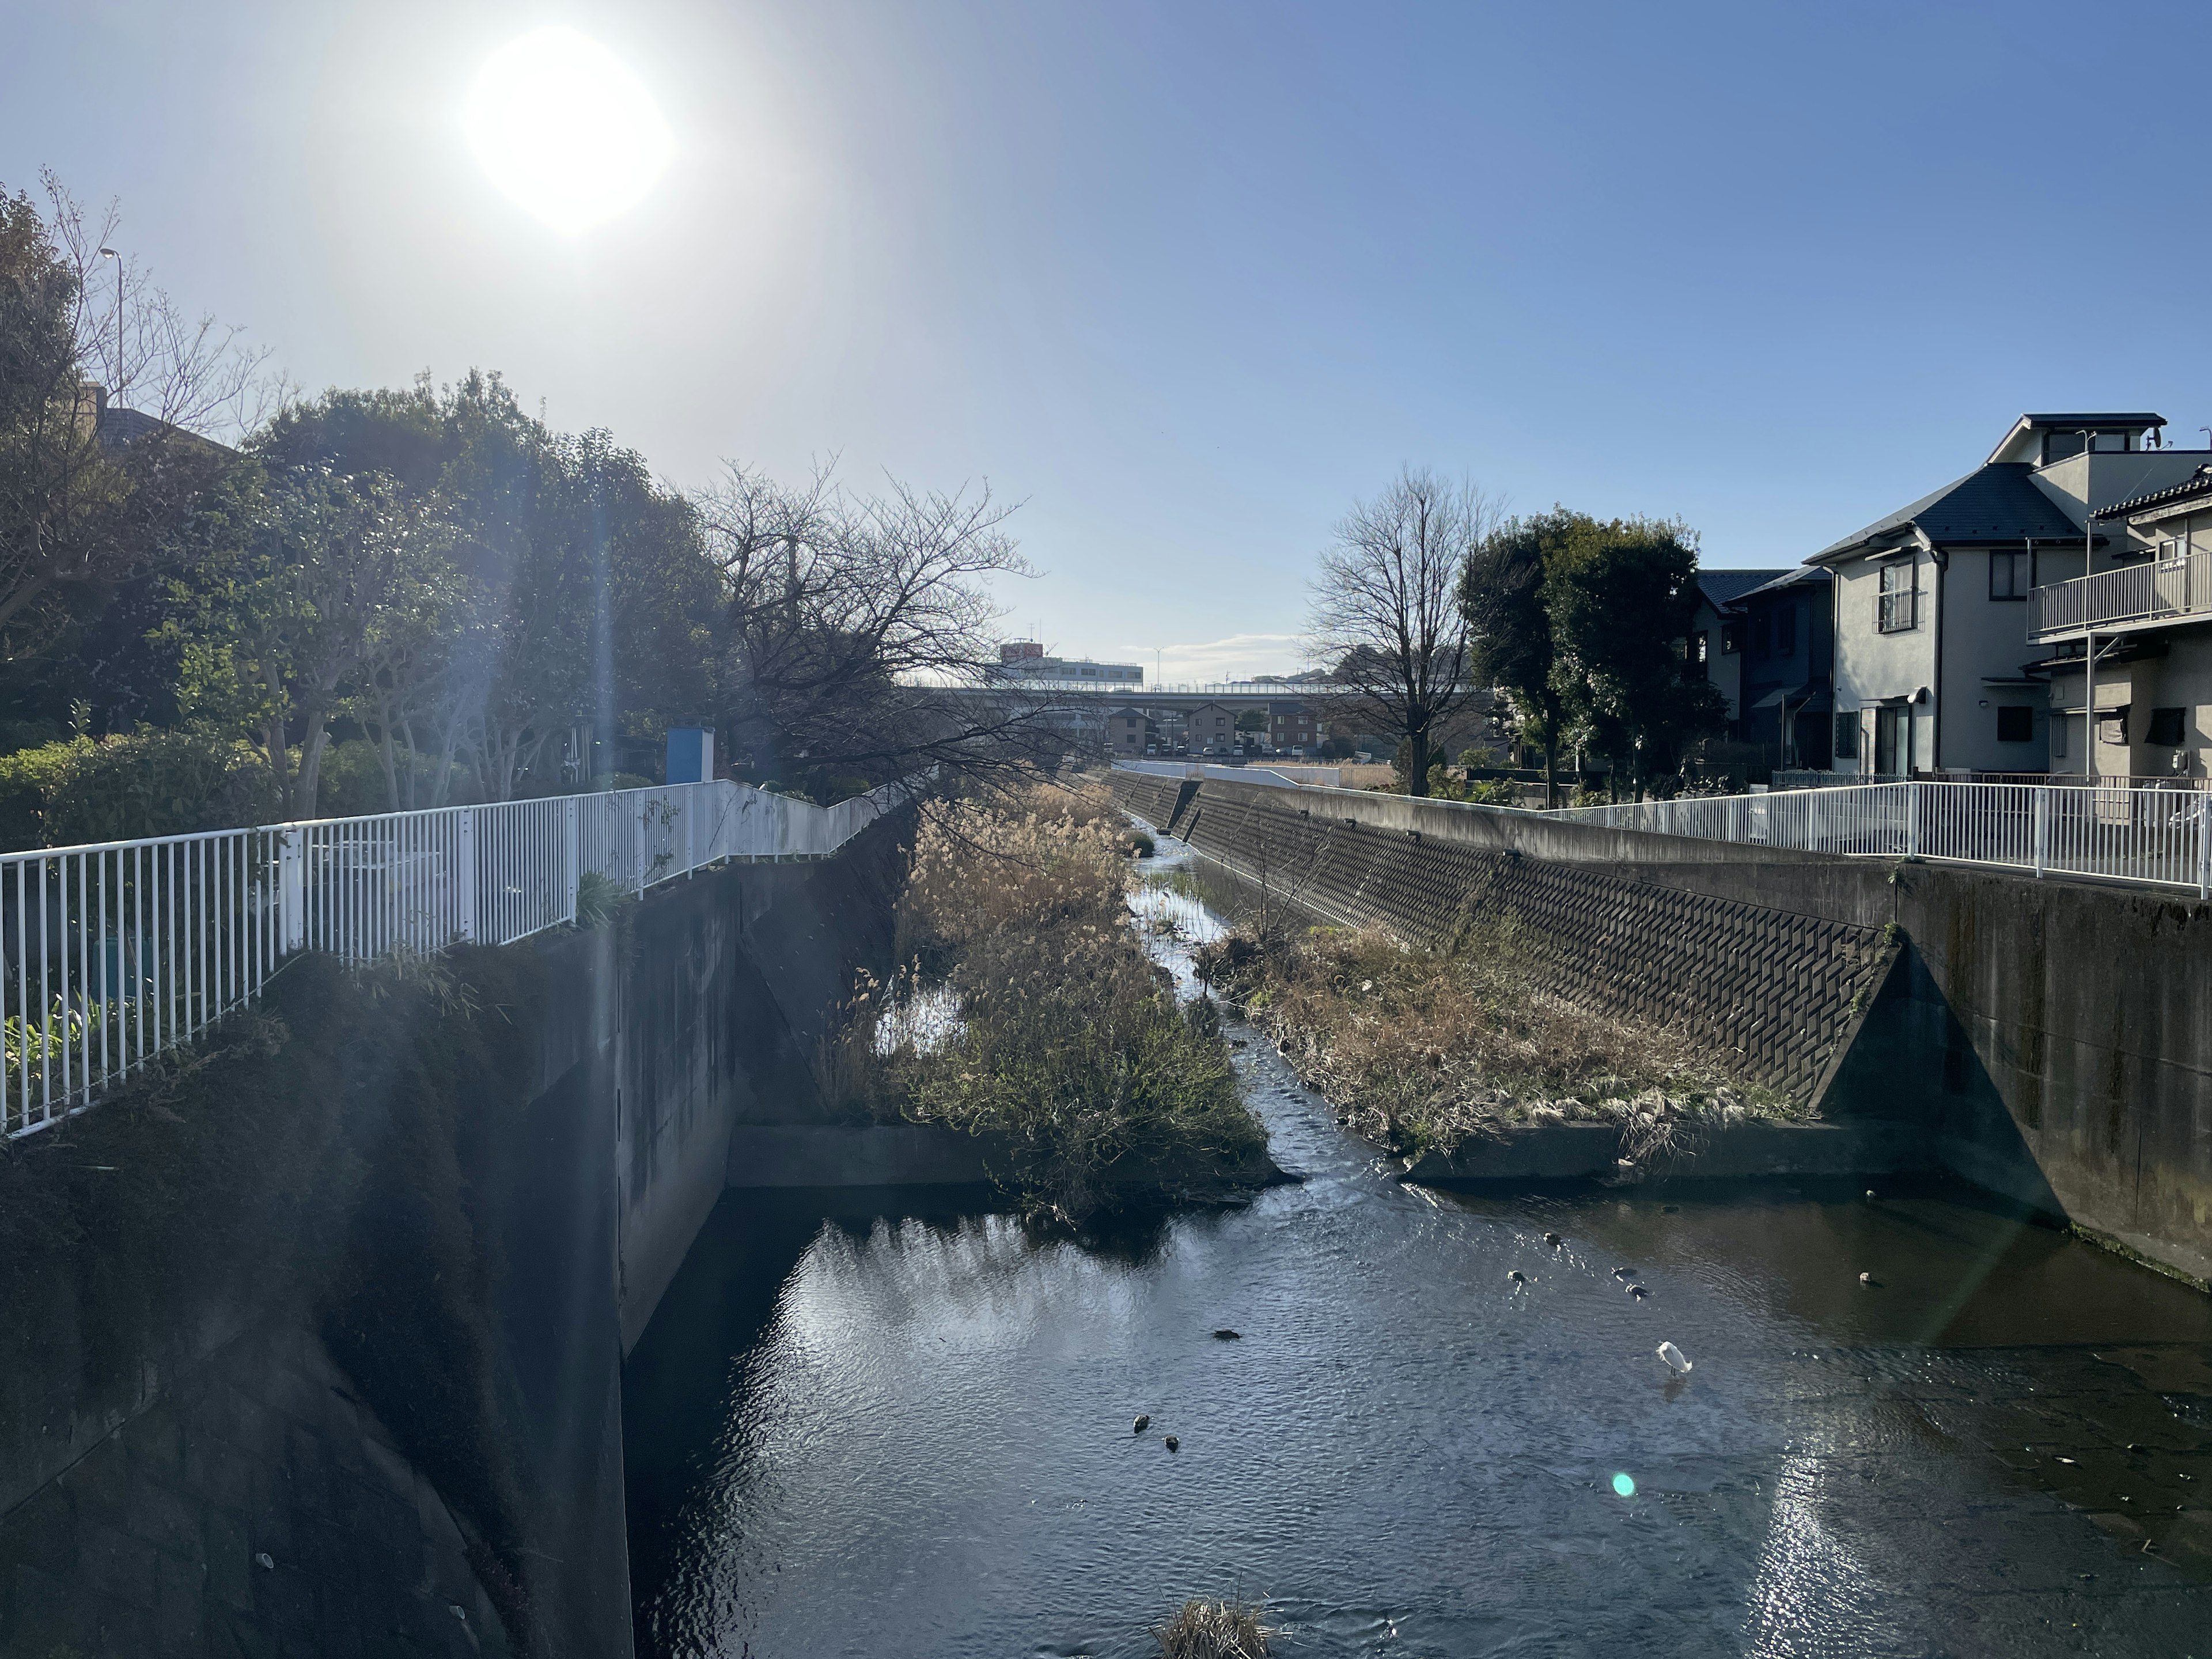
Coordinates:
(1716, 632)
(1290, 726)
(1128, 732)
(1788, 635)
(1024, 659)
(1211, 729)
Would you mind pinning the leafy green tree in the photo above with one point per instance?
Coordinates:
(1510, 645)
(1619, 596)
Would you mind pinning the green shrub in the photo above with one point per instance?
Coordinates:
(352, 783)
(597, 898)
(128, 787)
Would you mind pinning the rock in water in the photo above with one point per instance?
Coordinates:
(1171, 1443)
(1224, 1334)
(1516, 1276)
(1638, 1291)
(1552, 1239)
(1866, 1279)
(1677, 1361)
(1143, 1423)
(1624, 1272)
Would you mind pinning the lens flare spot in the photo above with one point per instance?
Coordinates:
(1625, 1485)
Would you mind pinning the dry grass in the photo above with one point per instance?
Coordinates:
(1068, 1048)
(1423, 1049)
(1214, 1630)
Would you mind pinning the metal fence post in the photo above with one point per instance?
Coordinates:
(292, 889)
(2204, 845)
(1912, 820)
(2042, 828)
(572, 862)
(644, 816)
(464, 876)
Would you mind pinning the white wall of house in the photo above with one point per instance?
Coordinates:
(1724, 668)
(1873, 667)
(2080, 483)
(1984, 648)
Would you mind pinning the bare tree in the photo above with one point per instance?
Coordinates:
(1386, 619)
(862, 637)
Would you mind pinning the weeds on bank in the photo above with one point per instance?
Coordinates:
(1061, 1042)
(1420, 1050)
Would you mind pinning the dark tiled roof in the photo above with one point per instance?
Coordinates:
(1995, 502)
(1805, 575)
(1721, 587)
(2199, 485)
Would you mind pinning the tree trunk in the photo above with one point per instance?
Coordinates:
(1551, 774)
(1418, 784)
(311, 768)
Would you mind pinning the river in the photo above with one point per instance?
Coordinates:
(864, 1424)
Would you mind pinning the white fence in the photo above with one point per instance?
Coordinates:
(110, 954)
(2162, 836)
(1290, 772)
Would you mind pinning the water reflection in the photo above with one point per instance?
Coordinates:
(859, 1427)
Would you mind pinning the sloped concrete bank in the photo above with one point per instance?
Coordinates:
(2052, 1040)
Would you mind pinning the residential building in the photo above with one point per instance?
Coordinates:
(1290, 726)
(1024, 659)
(1715, 638)
(2142, 631)
(1211, 729)
(1930, 602)
(1787, 637)
(1129, 731)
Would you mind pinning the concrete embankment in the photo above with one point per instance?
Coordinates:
(2050, 1040)
(315, 1343)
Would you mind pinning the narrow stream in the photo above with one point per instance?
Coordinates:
(863, 1425)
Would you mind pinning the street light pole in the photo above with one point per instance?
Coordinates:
(110, 253)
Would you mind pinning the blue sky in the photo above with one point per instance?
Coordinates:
(1187, 278)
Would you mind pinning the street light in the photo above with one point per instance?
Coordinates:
(116, 390)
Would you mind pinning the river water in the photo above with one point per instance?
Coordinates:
(861, 1425)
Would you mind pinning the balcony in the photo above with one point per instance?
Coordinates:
(2135, 596)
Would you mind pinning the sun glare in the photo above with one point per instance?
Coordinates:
(566, 129)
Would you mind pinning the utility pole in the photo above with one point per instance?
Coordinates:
(116, 390)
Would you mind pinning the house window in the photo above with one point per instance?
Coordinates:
(2112, 723)
(2016, 725)
(2165, 728)
(1847, 734)
(1897, 608)
(2009, 578)
(1731, 638)
(1893, 740)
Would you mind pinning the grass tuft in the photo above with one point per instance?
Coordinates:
(1214, 1630)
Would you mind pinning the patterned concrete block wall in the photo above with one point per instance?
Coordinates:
(1773, 994)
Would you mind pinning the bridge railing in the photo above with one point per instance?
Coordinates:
(1291, 773)
(2160, 837)
(110, 954)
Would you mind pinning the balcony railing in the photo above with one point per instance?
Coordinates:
(2134, 596)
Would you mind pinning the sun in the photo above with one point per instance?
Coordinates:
(565, 129)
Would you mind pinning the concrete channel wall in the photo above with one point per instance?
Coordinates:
(2052, 1040)
(288, 1457)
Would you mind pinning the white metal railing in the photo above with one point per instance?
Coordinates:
(2159, 836)
(110, 954)
(1293, 773)
(2134, 594)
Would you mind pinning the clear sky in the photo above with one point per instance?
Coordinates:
(1185, 278)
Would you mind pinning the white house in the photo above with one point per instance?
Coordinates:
(2133, 643)
(1934, 665)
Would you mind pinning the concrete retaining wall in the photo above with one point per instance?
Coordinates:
(2053, 1038)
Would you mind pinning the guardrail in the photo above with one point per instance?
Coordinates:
(1290, 772)
(2134, 595)
(2161, 837)
(110, 954)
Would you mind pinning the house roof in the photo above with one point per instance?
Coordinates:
(1805, 575)
(1997, 501)
(2120, 421)
(1127, 712)
(1722, 588)
(2199, 484)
